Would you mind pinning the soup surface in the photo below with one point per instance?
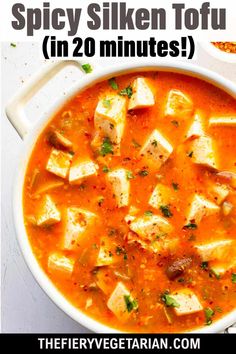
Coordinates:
(130, 202)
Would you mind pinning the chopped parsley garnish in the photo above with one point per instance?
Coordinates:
(106, 103)
(113, 83)
(175, 186)
(107, 147)
(129, 175)
(87, 68)
(208, 315)
(233, 278)
(13, 45)
(105, 169)
(191, 226)
(204, 265)
(131, 304)
(148, 213)
(135, 144)
(143, 173)
(154, 143)
(165, 209)
(175, 123)
(95, 246)
(190, 154)
(169, 300)
(128, 91)
(181, 280)
(121, 250)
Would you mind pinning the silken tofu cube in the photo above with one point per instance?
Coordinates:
(120, 186)
(216, 250)
(178, 104)
(110, 116)
(81, 170)
(121, 303)
(219, 192)
(156, 150)
(201, 207)
(160, 196)
(196, 129)
(142, 94)
(48, 214)
(228, 121)
(203, 152)
(188, 302)
(59, 163)
(77, 225)
(106, 255)
(59, 264)
(149, 227)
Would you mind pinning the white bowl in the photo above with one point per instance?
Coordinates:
(15, 113)
(217, 53)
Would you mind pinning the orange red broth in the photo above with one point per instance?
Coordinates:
(147, 279)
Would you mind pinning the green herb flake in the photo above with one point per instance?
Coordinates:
(148, 213)
(131, 304)
(105, 169)
(191, 226)
(154, 143)
(119, 250)
(136, 144)
(233, 278)
(143, 173)
(107, 147)
(209, 313)
(87, 68)
(165, 209)
(95, 246)
(175, 123)
(128, 91)
(190, 154)
(13, 45)
(169, 301)
(204, 265)
(106, 103)
(175, 186)
(129, 175)
(181, 280)
(82, 187)
(112, 82)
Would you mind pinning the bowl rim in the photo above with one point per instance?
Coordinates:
(98, 75)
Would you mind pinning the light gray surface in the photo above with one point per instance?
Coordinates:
(25, 307)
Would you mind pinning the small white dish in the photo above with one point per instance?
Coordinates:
(217, 53)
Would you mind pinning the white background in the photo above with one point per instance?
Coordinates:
(25, 307)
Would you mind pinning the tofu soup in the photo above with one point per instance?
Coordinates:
(130, 202)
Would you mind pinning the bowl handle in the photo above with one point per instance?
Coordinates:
(15, 109)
